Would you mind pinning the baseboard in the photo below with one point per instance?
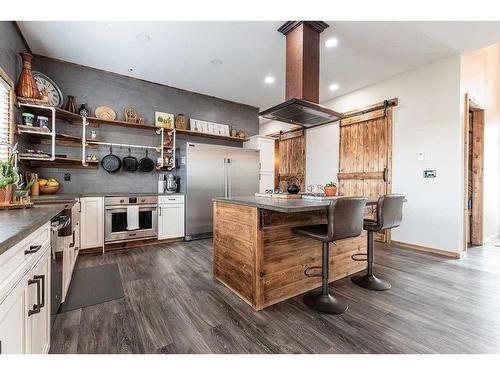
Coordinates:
(446, 253)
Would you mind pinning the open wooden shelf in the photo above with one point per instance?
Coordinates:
(37, 136)
(208, 135)
(60, 163)
(96, 122)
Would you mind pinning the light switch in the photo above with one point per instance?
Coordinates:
(430, 173)
(421, 156)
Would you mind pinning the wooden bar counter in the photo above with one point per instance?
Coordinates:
(259, 258)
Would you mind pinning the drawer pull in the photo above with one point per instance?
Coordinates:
(33, 249)
(42, 278)
(36, 307)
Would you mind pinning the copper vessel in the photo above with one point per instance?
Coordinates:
(26, 85)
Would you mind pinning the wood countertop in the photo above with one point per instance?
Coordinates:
(282, 205)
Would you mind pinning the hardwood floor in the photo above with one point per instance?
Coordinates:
(173, 305)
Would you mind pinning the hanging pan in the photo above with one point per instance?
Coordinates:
(146, 164)
(129, 162)
(111, 163)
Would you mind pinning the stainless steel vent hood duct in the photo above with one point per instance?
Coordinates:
(302, 78)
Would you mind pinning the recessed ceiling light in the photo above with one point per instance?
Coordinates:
(131, 69)
(334, 87)
(216, 62)
(143, 37)
(332, 42)
(269, 80)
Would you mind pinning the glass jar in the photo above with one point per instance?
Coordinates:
(28, 118)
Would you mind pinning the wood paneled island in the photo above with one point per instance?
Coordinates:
(259, 258)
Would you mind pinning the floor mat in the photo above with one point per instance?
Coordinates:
(93, 285)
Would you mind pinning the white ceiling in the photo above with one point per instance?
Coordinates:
(179, 54)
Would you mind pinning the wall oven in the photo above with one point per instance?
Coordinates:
(115, 218)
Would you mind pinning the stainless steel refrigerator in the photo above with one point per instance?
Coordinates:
(216, 171)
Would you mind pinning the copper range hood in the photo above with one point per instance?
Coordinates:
(302, 78)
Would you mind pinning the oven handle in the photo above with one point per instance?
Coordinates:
(124, 209)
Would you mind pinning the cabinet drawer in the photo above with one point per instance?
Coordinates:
(14, 260)
(176, 199)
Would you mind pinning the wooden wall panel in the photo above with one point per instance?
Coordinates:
(292, 159)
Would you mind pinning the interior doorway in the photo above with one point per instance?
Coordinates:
(473, 173)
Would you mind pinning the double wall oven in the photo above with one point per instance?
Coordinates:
(115, 218)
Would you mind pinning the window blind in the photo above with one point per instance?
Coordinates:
(4, 117)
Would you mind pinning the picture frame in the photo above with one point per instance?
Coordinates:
(164, 120)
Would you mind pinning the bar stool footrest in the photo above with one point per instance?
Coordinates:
(356, 257)
(306, 271)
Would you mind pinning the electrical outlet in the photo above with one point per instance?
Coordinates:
(430, 173)
(421, 156)
(67, 177)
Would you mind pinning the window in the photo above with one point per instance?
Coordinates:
(5, 113)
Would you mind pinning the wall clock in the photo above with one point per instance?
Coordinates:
(44, 82)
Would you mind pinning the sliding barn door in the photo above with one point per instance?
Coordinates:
(292, 158)
(365, 155)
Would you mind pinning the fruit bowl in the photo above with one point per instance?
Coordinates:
(49, 189)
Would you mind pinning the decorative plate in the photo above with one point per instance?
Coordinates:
(105, 113)
(53, 91)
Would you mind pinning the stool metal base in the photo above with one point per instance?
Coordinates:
(370, 282)
(325, 303)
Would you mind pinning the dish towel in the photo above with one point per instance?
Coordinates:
(132, 217)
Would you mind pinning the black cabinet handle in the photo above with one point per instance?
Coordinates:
(36, 307)
(159, 207)
(42, 278)
(33, 249)
(72, 244)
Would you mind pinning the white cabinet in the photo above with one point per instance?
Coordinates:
(170, 217)
(25, 295)
(91, 222)
(38, 308)
(266, 147)
(13, 314)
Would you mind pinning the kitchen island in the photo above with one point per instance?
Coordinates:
(259, 258)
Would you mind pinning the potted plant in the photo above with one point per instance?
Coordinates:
(8, 178)
(330, 189)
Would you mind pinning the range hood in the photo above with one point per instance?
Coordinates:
(302, 78)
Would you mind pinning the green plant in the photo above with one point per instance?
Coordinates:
(8, 175)
(331, 184)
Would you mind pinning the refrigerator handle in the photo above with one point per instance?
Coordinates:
(229, 188)
(225, 178)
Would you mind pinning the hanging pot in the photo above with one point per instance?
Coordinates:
(146, 164)
(129, 162)
(111, 163)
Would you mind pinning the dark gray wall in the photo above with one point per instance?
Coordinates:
(11, 44)
(96, 87)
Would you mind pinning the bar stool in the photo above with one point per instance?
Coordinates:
(345, 219)
(389, 215)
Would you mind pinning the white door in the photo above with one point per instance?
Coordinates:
(91, 222)
(39, 305)
(266, 147)
(266, 182)
(13, 319)
(170, 221)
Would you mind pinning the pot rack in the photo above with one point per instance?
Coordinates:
(160, 149)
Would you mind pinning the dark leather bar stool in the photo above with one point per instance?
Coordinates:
(345, 219)
(389, 215)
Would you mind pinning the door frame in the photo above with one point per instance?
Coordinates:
(477, 238)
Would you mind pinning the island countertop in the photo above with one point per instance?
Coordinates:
(282, 205)
(17, 224)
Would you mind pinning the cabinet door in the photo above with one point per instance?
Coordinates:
(13, 320)
(91, 222)
(170, 221)
(266, 182)
(266, 147)
(39, 322)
